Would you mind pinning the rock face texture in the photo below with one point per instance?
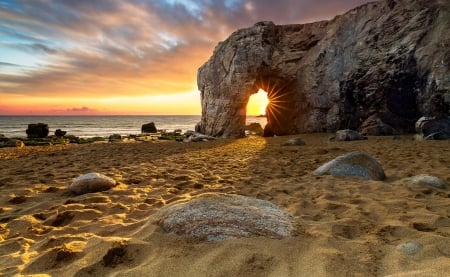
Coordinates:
(388, 61)
(215, 217)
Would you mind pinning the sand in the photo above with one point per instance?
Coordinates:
(346, 226)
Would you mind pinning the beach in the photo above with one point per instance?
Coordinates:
(345, 226)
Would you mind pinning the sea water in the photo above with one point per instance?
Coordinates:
(103, 126)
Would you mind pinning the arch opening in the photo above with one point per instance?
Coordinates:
(272, 105)
(256, 120)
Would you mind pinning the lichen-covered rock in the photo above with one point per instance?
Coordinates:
(91, 182)
(389, 59)
(426, 180)
(409, 248)
(354, 164)
(115, 138)
(215, 217)
(347, 135)
(293, 142)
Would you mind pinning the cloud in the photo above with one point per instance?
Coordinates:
(138, 47)
(82, 109)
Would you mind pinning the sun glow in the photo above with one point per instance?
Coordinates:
(258, 103)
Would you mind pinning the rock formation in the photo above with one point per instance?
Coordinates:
(387, 60)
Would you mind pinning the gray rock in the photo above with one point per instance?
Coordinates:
(409, 248)
(11, 143)
(347, 135)
(293, 142)
(331, 75)
(199, 138)
(426, 180)
(354, 164)
(432, 128)
(91, 182)
(215, 217)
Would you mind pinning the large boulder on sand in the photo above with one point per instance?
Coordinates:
(91, 182)
(215, 217)
(354, 164)
(39, 130)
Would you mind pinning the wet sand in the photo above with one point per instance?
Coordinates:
(346, 226)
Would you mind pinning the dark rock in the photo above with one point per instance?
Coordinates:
(60, 133)
(293, 142)
(115, 137)
(39, 130)
(255, 129)
(433, 128)
(214, 217)
(347, 135)
(354, 164)
(7, 142)
(149, 128)
(390, 58)
(91, 182)
(199, 138)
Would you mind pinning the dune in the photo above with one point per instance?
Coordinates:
(345, 226)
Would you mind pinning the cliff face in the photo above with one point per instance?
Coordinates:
(387, 60)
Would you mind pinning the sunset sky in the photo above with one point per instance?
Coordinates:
(125, 57)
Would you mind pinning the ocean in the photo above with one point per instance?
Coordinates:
(103, 126)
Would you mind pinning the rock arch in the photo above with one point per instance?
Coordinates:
(333, 74)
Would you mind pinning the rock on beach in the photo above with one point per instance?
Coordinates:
(354, 164)
(215, 217)
(91, 182)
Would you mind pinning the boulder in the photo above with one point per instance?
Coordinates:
(214, 217)
(11, 143)
(39, 130)
(254, 128)
(347, 135)
(426, 180)
(199, 138)
(149, 128)
(293, 142)
(354, 164)
(374, 126)
(392, 60)
(115, 137)
(409, 248)
(60, 133)
(433, 128)
(91, 182)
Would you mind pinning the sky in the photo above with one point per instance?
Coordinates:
(81, 57)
